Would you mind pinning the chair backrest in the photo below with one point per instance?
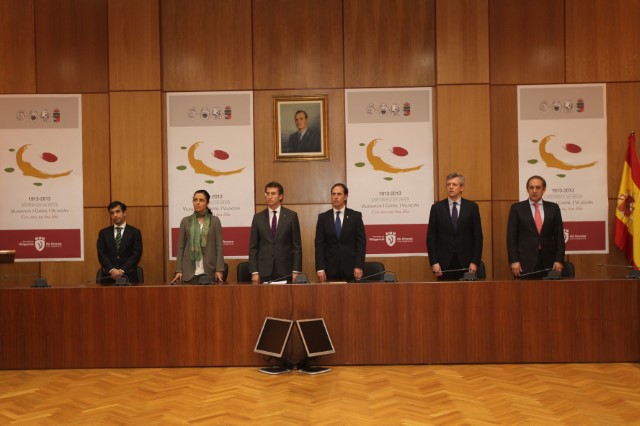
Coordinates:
(481, 273)
(568, 270)
(373, 271)
(243, 273)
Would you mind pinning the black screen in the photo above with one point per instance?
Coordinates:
(315, 337)
(273, 337)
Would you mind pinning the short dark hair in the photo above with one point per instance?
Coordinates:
(275, 185)
(544, 182)
(344, 188)
(112, 205)
(301, 111)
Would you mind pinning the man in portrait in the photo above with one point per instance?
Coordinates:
(305, 139)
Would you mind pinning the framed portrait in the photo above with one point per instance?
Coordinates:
(301, 128)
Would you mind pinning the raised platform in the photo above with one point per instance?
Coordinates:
(403, 323)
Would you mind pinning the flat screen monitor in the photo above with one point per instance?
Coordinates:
(7, 256)
(315, 337)
(274, 336)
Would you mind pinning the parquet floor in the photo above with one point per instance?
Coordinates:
(525, 394)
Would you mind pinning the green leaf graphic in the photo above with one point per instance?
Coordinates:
(359, 164)
(9, 170)
(181, 167)
(532, 161)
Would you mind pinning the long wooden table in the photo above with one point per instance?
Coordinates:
(378, 323)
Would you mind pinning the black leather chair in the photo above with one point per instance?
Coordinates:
(568, 270)
(373, 271)
(243, 273)
(139, 272)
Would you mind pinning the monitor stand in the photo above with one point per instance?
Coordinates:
(314, 369)
(274, 369)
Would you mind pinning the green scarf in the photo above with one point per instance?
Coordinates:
(199, 239)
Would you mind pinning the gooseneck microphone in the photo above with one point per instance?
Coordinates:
(387, 276)
(633, 273)
(275, 280)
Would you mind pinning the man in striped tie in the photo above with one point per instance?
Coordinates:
(119, 247)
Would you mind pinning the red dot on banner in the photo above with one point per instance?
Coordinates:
(573, 148)
(220, 154)
(49, 157)
(400, 152)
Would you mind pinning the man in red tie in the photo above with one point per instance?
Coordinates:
(275, 247)
(535, 234)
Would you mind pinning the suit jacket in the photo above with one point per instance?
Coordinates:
(334, 255)
(128, 257)
(310, 141)
(285, 250)
(213, 255)
(523, 240)
(443, 241)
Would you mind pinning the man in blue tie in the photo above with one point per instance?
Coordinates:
(454, 234)
(119, 247)
(341, 243)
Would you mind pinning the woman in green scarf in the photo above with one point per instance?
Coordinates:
(199, 243)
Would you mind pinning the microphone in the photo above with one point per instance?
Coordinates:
(454, 270)
(301, 278)
(387, 276)
(538, 272)
(38, 282)
(279, 279)
(633, 273)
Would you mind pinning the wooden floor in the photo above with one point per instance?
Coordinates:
(541, 394)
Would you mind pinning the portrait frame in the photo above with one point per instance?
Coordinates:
(314, 144)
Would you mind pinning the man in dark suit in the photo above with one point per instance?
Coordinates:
(275, 247)
(305, 139)
(454, 235)
(119, 247)
(535, 237)
(341, 243)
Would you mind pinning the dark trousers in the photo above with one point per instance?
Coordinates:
(454, 275)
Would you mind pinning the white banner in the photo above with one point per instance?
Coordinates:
(210, 146)
(389, 144)
(562, 136)
(41, 214)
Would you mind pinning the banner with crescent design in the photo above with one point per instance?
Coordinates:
(389, 144)
(41, 214)
(562, 136)
(210, 146)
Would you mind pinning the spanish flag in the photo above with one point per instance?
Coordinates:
(627, 225)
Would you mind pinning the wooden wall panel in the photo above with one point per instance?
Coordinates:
(500, 214)
(303, 181)
(526, 41)
(134, 45)
(297, 44)
(504, 143)
(487, 236)
(136, 148)
(71, 46)
(95, 150)
(623, 116)
(602, 40)
(206, 45)
(150, 222)
(17, 47)
(464, 138)
(462, 37)
(389, 43)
